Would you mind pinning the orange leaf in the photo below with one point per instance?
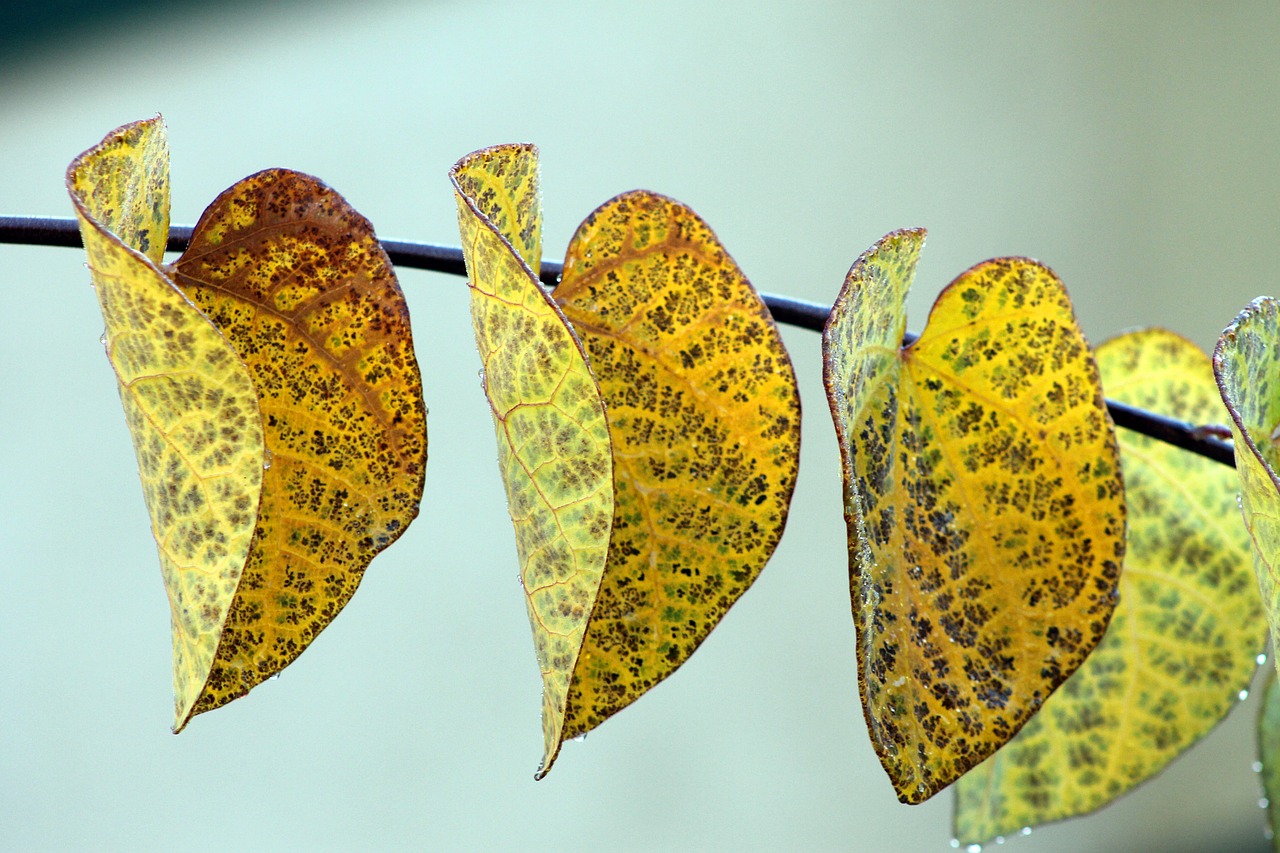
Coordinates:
(300, 285)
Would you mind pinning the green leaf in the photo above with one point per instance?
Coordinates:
(1269, 754)
(1183, 641)
(1247, 365)
(984, 505)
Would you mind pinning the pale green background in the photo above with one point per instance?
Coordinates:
(1130, 146)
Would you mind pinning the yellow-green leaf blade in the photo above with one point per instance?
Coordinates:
(1183, 641)
(553, 439)
(188, 400)
(984, 505)
(704, 415)
(1246, 363)
(1269, 753)
(301, 287)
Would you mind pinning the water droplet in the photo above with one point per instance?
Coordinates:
(266, 459)
(973, 848)
(999, 839)
(1026, 830)
(1257, 766)
(1244, 694)
(1268, 834)
(275, 677)
(580, 737)
(955, 843)
(481, 375)
(1263, 803)
(1261, 659)
(102, 339)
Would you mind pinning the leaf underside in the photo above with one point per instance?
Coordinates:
(300, 285)
(704, 416)
(984, 504)
(188, 400)
(553, 439)
(1247, 366)
(1183, 641)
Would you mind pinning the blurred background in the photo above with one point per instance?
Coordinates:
(1129, 146)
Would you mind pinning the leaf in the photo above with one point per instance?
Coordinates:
(1246, 363)
(300, 285)
(189, 402)
(553, 439)
(704, 416)
(983, 500)
(1183, 641)
(1269, 753)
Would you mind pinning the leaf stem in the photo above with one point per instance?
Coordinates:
(65, 231)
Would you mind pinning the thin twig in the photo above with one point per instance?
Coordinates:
(59, 231)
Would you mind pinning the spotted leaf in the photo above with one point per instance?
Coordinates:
(553, 439)
(984, 505)
(1247, 365)
(188, 400)
(300, 285)
(705, 421)
(1183, 641)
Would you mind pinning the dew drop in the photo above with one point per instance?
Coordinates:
(1261, 659)
(1268, 834)
(999, 839)
(1026, 830)
(955, 843)
(1244, 694)
(1263, 803)
(102, 339)
(275, 677)
(266, 459)
(973, 848)
(579, 738)
(1257, 766)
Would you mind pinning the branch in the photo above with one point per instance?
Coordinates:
(59, 231)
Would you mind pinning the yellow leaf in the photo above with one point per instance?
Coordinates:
(300, 285)
(553, 439)
(984, 505)
(705, 420)
(1183, 641)
(189, 402)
